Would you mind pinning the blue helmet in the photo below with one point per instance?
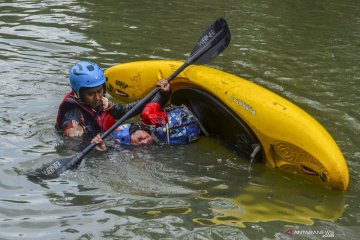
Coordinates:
(86, 74)
(122, 134)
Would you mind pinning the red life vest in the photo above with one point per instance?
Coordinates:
(103, 119)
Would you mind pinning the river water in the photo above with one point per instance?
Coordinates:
(306, 51)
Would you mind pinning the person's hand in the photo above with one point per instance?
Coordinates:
(164, 85)
(107, 104)
(100, 144)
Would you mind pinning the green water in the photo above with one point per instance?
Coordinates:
(305, 51)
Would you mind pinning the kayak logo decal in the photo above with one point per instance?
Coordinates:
(121, 84)
(206, 38)
(244, 105)
(52, 168)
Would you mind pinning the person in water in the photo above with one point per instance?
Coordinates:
(85, 111)
(174, 125)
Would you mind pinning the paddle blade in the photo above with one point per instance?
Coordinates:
(211, 43)
(54, 168)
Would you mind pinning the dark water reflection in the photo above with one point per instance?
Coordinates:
(305, 51)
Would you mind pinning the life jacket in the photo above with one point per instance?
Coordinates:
(103, 120)
(182, 127)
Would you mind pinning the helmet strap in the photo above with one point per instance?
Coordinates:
(76, 94)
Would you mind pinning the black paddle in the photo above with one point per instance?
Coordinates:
(211, 43)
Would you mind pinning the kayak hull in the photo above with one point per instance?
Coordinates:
(290, 139)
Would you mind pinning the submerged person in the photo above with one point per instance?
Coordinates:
(175, 125)
(85, 111)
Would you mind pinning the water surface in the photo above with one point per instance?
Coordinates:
(306, 51)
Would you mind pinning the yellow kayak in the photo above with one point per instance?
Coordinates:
(259, 124)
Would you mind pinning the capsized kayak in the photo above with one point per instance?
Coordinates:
(258, 123)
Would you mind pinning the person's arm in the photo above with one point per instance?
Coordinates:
(164, 95)
(117, 110)
(72, 124)
(73, 127)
